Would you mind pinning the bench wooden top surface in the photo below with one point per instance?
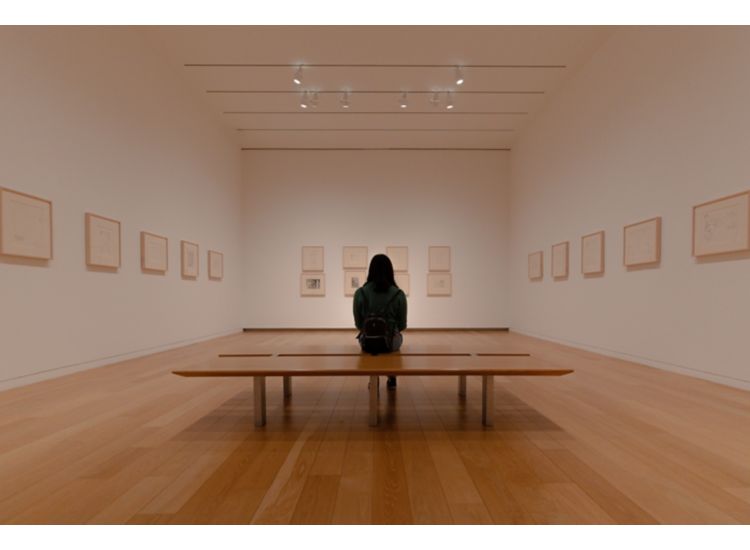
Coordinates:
(353, 349)
(383, 365)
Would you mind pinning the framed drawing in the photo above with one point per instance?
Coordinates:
(402, 281)
(312, 258)
(154, 252)
(25, 225)
(722, 225)
(642, 243)
(355, 257)
(313, 284)
(215, 265)
(353, 280)
(189, 259)
(439, 284)
(560, 260)
(399, 256)
(592, 253)
(536, 265)
(102, 242)
(439, 258)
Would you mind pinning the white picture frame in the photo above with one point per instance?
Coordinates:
(722, 226)
(25, 225)
(354, 257)
(592, 253)
(189, 259)
(399, 256)
(103, 242)
(313, 259)
(312, 284)
(536, 265)
(439, 258)
(403, 281)
(354, 279)
(154, 253)
(642, 243)
(559, 262)
(439, 284)
(215, 265)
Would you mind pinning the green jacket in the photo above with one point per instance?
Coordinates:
(395, 315)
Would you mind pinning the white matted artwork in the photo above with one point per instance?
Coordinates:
(215, 265)
(312, 284)
(102, 242)
(439, 258)
(439, 284)
(399, 256)
(642, 243)
(189, 259)
(313, 258)
(353, 280)
(592, 253)
(25, 225)
(722, 226)
(560, 260)
(402, 281)
(536, 265)
(355, 257)
(154, 255)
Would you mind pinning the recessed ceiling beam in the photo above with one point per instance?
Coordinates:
(376, 148)
(349, 113)
(372, 66)
(375, 130)
(353, 92)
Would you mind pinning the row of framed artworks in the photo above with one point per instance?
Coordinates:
(720, 226)
(26, 232)
(314, 283)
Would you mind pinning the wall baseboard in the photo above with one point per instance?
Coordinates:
(410, 329)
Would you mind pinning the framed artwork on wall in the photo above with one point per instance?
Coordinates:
(642, 243)
(215, 265)
(592, 253)
(313, 258)
(399, 256)
(25, 225)
(154, 255)
(402, 280)
(722, 226)
(536, 265)
(560, 260)
(439, 284)
(102, 242)
(353, 280)
(189, 259)
(355, 257)
(313, 284)
(439, 258)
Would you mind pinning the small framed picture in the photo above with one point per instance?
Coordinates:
(642, 243)
(439, 258)
(536, 265)
(313, 284)
(215, 265)
(355, 257)
(189, 259)
(154, 252)
(102, 242)
(25, 225)
(402, 281)
(560, 260)
(592, 253)
(439, 284)
(399, 256)
(312, 258)
(722, 226)
(353, 280)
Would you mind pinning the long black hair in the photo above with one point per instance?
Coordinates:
(381, 273)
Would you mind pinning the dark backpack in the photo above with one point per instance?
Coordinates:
(376, 336)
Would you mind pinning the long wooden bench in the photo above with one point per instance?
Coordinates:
(486, 364)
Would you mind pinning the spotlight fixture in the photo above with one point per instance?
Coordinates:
(435, 99)
(314, 100)
(404, 102)
(345, 100)
(304, 102)
(459, 76)
(448, 101)
(297, 78)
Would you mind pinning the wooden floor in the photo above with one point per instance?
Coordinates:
(615, 442)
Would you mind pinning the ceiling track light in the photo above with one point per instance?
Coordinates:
(314, 100)
(448, 101)
(404, 103)
(345, 100)
(304, 102)
(435, 99)
(459, 76)
(297, 78)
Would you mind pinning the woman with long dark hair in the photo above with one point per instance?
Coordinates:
(380, 310)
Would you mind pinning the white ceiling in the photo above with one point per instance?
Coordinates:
(245, 74)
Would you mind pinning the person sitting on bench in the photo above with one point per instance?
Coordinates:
(380, 311)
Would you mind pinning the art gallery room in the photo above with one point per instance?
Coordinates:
(374, 275)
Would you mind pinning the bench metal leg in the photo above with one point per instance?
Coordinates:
(374, 383)
(488, 399)
(287, 386)
(462, 385)
(259, 389)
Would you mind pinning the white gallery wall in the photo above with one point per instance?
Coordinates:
(377, 199)
(95, 121)
(655, 123)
